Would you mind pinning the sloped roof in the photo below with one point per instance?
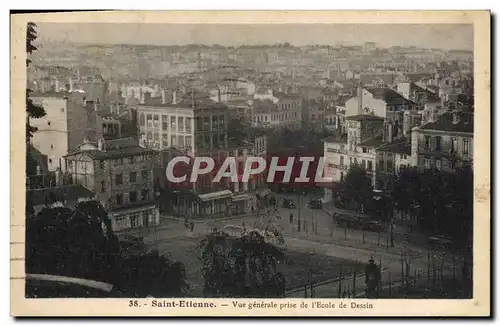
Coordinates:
(389, 96)
(445, 123)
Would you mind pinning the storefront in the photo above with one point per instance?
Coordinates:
(214, 203)
(242, 204)
(129, 218)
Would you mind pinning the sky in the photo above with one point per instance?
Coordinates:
(445, 36)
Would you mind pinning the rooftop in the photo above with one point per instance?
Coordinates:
(401, 146)
(365, 117)
(375, 141)
(445, 123)
(336, 138)
(37, 197)
(390, 96)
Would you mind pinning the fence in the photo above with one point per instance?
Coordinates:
(352, 285)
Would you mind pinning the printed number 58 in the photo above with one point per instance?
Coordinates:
(133, 303)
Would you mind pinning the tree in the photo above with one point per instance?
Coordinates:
(242, 266)
(357, 190)
(33, 111)
(80, 243)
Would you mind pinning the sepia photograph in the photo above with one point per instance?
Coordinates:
(171, 163)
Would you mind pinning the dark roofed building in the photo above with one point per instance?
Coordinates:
(364, 117)
(390, 96)
(64, 196)
(445, 142)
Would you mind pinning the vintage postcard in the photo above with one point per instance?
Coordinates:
(250, 163)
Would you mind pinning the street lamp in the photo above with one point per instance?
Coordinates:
(383, 203)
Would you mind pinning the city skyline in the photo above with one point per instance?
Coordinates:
(443, 36)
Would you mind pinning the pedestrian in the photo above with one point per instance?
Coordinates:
(291, 218)
(192, 226)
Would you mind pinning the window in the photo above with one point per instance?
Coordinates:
(144, 194)
(119, 199)
(381, 165)
(189, 141)
(132, 177)
(199, 124)
(438, 143)
(132, 159)
(173, 123)
(206, 141)
(454, 145)
(164, 122)
(180, 122)
(222, 140)
(365, 150)
(103, 186)
(466, 146)
(48, 123)
(341, 176)
(51, 146)
(142, 121)
(215, 122)
(145, 175)
(149, 119)
(134, 220)
(156, 137)
(187, 124)
(342, 161)
(427, 142)
(363, 164)
(438, 164)
(173, 141)
(156, 121)
(132, 196)
(119, 179)
(206, 124)
(427, 163)
(369, 166)
(389, 166)
(62, 110)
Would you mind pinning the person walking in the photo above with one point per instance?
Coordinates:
(291, 218)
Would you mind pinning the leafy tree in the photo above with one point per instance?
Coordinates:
(33, 111)
(244, 266)
(357, 190)
(80, 243)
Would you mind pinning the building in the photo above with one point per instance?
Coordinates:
(197, 126)
(60, 196)
(120, 174)
(277, 110)
(381, 102)
(69, 117)
(364, 133)
(391, 157)
(94, 87)
(444, 143)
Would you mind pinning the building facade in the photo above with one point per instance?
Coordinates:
(69, 117)
(120, 174)
(444, 143)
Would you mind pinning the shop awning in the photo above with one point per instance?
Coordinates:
(216, 195)
(263, 192)
(241, 197)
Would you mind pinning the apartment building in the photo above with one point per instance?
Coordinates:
(120, 174)
(277, 110)
(69, 118)
(357, 146)
(445, 142)
(194, 125)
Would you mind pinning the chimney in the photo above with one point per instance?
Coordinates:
(456, 117)
(360, 99)
(218, 94)
(70, 85)
(174, 97)
(58, 85)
